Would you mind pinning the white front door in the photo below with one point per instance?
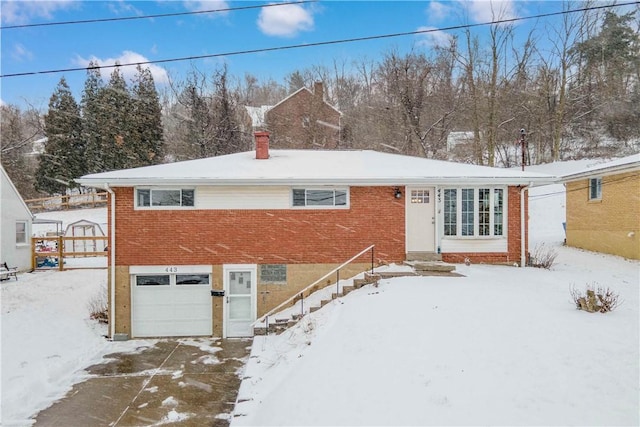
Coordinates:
(240, 308)
(421, 220)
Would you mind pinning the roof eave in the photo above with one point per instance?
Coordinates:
(629, 167)
(365, 182)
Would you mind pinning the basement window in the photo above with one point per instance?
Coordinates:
(164, 197)
(273, 273)
(320, 198)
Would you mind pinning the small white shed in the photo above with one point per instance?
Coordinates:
(15, 226)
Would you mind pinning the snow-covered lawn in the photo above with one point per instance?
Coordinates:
(501, 346)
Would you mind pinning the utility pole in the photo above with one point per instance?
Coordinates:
(523, 145)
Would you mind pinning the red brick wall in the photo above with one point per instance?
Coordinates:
(182, 237)
(513, 236)
(285, 123)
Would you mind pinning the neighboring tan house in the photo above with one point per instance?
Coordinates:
(16, 220)
(304, 119)
(263, 225)
(603, 207)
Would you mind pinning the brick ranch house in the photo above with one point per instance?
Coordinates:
(603, 207)
(263, 225)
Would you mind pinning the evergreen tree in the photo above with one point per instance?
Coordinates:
(91, 117)
(64, 157)
(115, 124)
(146, 130)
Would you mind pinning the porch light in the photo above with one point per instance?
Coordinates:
(397, 193)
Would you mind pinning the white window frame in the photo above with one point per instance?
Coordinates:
(476, 216)
(598, 187)
(25, 239)
(334, 206)
(171, 271)
(168, 207)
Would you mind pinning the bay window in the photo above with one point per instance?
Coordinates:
(474, 212)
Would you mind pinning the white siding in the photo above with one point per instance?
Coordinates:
(231, 197)
(473, 245)
(12, 210)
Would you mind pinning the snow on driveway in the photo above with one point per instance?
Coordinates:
(502, 346)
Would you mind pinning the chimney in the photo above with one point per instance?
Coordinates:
(262, 145)
(318, 90)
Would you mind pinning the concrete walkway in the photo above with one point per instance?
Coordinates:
(192, 382)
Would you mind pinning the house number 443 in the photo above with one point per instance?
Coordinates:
(171, 270)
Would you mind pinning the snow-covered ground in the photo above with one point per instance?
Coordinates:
(502, 345)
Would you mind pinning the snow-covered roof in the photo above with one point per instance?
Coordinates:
(313, 167)
(621, 165)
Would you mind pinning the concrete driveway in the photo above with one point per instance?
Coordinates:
(187, 382)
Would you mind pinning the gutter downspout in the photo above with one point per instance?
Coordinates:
(523, 229)
(112, 273)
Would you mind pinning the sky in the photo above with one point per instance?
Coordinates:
(59, 47)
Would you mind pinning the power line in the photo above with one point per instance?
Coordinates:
(164, 15)
(316, 44)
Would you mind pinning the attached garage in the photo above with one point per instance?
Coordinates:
(171, 301)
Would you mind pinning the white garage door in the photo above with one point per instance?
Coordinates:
(171, 303)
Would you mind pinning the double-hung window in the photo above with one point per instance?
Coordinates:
(165, 197)
(595, 189)
(21, 232)
(320, 198)
(474, 212)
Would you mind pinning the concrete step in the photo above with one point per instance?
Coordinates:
(358, 283)
(325, 302)
(440, 266)
(423, 256)
(347, 289)
(314, 309)
(392, 274)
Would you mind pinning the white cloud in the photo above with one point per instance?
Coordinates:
(160, 75)
(20, 53)
(437, 11)
(23, 12)
(490, 10)
(435, 38)
(200, 5)
(285, 21)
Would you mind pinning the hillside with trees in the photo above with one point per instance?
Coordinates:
(574, 88)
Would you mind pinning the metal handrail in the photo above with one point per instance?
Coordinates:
(301, 293)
